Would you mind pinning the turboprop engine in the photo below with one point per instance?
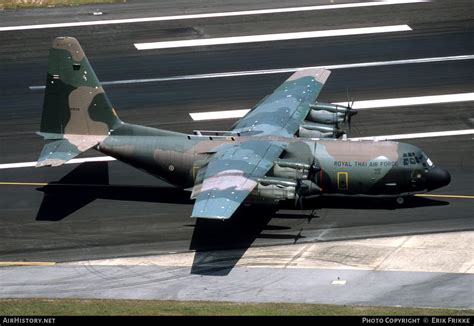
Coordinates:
(271, 189)
(319, 130)
(329, 113)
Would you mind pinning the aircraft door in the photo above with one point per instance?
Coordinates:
(343, 181)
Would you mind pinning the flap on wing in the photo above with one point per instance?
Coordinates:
(198, 180)
(221, 195)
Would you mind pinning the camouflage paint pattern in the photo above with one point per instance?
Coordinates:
(282, 112)
(370, 165)
(224, 171)
(76, 108)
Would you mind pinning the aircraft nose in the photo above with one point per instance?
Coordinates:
(437, 178)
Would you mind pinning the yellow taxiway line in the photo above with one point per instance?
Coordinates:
(24, 183)
(27, 263)
(10, 183)
(445, 196)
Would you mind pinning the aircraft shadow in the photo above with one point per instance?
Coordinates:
(378, 203)
(218, 245)
(364, 203)
(90, 181)
(232, 238)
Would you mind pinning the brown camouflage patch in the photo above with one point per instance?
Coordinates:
(80, 122)
(71, 45)
(362, 151)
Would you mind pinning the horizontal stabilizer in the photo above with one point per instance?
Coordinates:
(60, 151)
(49, 136)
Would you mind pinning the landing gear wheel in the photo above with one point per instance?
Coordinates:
(400, 200)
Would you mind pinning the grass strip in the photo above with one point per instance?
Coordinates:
(82, 307)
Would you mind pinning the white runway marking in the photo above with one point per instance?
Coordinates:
(419, 135)
(416, 100)
(339, 282)
(271, 37)
(388, 137)
(210, 15)
(382, 103)
(73, 161)
(218, 115)
(282, 70)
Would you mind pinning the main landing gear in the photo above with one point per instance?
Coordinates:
(400, 200)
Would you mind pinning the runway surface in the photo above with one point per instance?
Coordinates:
(381, 271)
(138, 215)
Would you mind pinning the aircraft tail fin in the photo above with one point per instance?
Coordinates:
(76, 111)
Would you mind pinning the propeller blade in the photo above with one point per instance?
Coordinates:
(298, 196)
(349, 121)
(347, 95)
(350, 111)
(297, 192)
(298, 201)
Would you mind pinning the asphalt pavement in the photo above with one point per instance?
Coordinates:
(112, 210)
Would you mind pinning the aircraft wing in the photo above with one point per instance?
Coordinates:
(282, 112)
(231, 175)
(233, 172)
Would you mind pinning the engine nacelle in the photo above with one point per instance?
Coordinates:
(271, 191)
(274, 190)
(290, 170)
(334, 108)
(315, 130)
(327, 117)
(330, 113)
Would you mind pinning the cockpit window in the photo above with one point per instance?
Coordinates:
(425, 159)
(412, 158)
(429, 162)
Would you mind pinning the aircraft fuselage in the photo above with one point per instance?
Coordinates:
(337, 167)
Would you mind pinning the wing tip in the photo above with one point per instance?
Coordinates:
(320, 74)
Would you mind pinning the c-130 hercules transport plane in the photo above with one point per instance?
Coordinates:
(283, 151)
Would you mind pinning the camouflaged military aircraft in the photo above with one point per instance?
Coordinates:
(283, 151)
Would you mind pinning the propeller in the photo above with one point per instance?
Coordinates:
(350, 112)
(298, 195)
